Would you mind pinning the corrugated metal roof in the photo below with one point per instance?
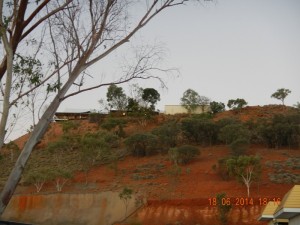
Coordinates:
(270, 208)
(290, 205)
(268, 212)
(291, 199)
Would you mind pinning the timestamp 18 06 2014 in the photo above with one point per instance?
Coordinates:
(243, 201)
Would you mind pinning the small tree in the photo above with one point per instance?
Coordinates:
(281, 94)
(125, 196)
(133, 105)
(93, 148)
(245, 168)
(116, 97)
(38, 177)
(216, 107)
(223, 209)
(60, 177)
(203, 102)
(236, 104)
(190, 100)
(183, 154)
(150, 96)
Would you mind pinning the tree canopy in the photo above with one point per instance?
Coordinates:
(281, 94)
(236, 103)
(150, 96)
(116, 97)
(245, 168)
(216, 107)
(190, 100)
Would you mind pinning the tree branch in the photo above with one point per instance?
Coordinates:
(43, 19)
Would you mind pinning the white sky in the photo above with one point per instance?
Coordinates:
(224, 50)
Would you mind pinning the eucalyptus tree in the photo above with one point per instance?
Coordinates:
(116, 97)
(18, 21)
(281, 94)
(190, 100)
(81, 35)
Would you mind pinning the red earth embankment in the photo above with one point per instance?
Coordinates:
(195, 211)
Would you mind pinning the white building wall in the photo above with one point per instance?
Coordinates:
(178, 109)
(295, 220)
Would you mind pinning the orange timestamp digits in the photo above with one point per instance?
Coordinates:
(242, 201)
(264, 201)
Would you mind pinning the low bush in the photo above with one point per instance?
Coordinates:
(67, 126)
(183, 154)
(232, 132)
(142, 144)
(167, 134)
(223, 209)
(200, 130)
(239, 146)
(115, 125)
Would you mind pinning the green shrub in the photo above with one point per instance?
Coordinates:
(281, 131)
(115, 125)
(202, 130)
(223, 208)
(96, 117)
(167, 134)
(67, 126)
(216, 107)
(60, 177)
(232, 132)
(38, 177)
(183, 154)
(142, 144)
(239, 146)
(112, 140)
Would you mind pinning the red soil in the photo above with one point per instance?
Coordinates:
(198, 181)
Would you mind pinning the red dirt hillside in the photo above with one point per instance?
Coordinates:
(150, 177)
(256, 112)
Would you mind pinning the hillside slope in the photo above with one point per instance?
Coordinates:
(153, 178)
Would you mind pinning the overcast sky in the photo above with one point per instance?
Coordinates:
(224, 50)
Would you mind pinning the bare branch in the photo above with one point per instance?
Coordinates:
(43, 18)
(107, 84)
(145, 19)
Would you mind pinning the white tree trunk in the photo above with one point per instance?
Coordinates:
(8, 83)
(35, 137)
